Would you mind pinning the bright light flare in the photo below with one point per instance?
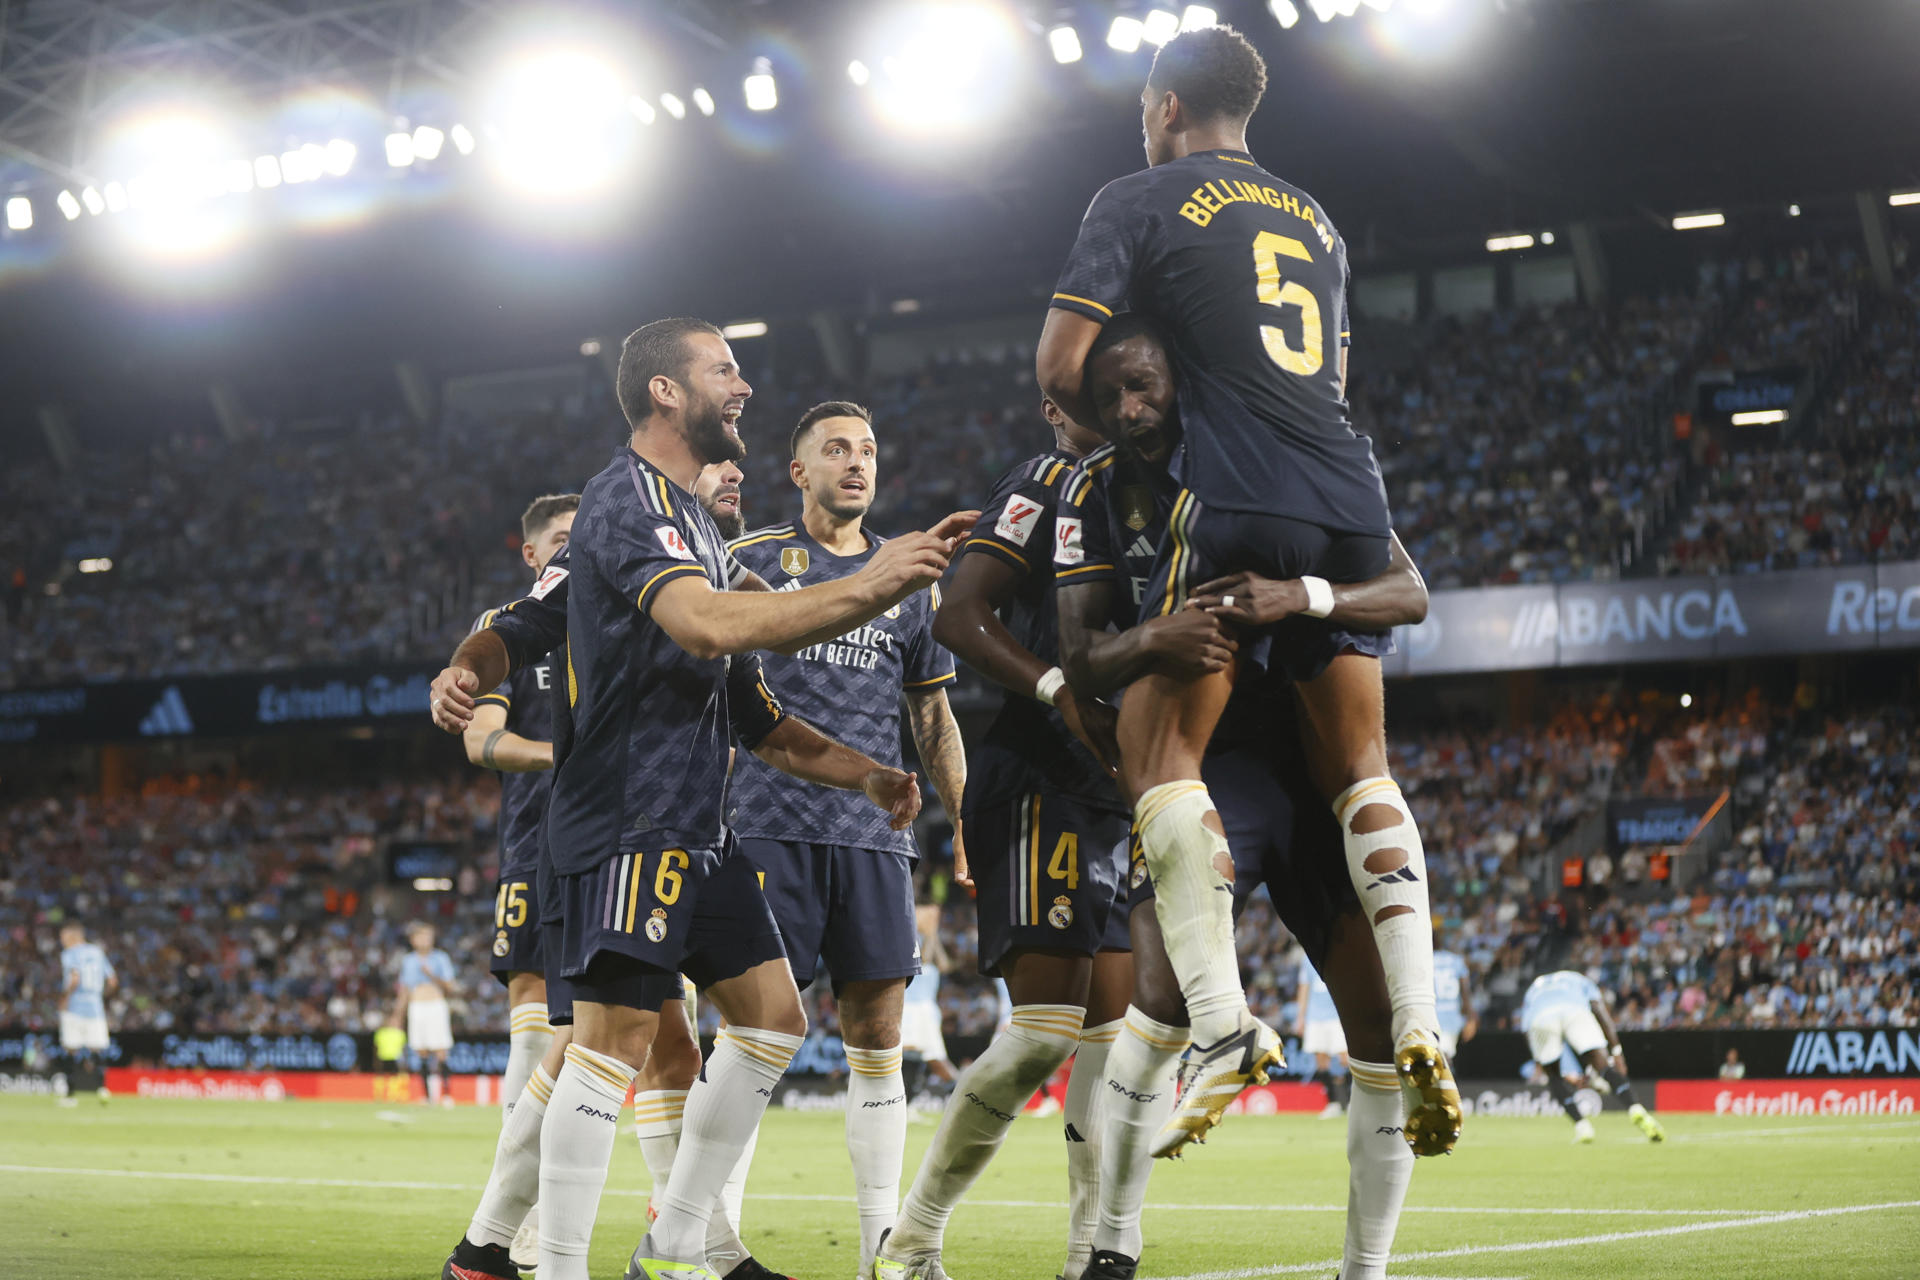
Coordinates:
(266, 172)
(69, 206)
(949, 68)
(303, 164)
(1284, 12)
(1503, 244)
(761, 92)
(1124, 34)
(19, 213)
(116, 198)
(91, 198)
(1197, 17)
(1698, 221)
(1159, 26)
(462, 139)
(675, 107)
(564, 126)
(1065, 43)
(859, 73)
(338, 157)
(703, 100)
(427, 142)
(1900, 199)
(399, 150)
(95, 564)
(744, 329)
(1758, 417)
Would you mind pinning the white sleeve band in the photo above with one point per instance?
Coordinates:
(1049, 684)
(1319, 596)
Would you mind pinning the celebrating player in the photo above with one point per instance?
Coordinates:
(1115, 512)
(1044, 839)
(426, 980)
(839, 880)
(1248, 278)
(86, 980)
(1565, 1010)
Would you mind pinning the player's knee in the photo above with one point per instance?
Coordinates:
(672, 1062)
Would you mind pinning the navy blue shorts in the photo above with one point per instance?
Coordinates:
(1202, 545)
(1049, 874)
(517, 936)
(1282, 835)
(559, 990)
(851, 907)
(629, 928)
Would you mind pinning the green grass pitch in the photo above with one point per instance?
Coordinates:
(217, 1190)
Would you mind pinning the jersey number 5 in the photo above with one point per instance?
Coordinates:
(1306, 359)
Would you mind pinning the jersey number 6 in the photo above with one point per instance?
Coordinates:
(1306, 359)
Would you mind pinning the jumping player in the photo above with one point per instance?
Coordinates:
(1565, 1009)
(86, 980)
(839, 880)
(1279, 833)
(1248, 278)
(1045, 835)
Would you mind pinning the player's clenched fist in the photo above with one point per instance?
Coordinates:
(896, 792)
(450, 698)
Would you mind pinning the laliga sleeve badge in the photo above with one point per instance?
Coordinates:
(1060, 915)
(500, 945)
(657, 925)
(794, 561)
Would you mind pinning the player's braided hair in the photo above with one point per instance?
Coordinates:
(543, 511)
(654, 350)
(820, 413)
(1214, 72)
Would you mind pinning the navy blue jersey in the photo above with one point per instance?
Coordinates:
(848, 687)
(1249, 280)
(1113, 515)
(648, 763)
(527, 696)
(1029, 748)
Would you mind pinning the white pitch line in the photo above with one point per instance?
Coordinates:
(1736, 1134)
(1566, 1242)
(359, 1184)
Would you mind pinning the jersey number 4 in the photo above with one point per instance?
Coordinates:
(1275, 291)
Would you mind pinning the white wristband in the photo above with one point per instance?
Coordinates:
(1049, 685)
(1319, 596)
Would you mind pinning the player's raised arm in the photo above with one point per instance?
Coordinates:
(1060, 361)
(1397, 597)
(524, 632)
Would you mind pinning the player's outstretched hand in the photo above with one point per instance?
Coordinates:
(906, 564)
(1189, 644)
(1096, 724)
(962, 876)
(955, 527)
(450, 698)
(1249, 599)
(896, 792)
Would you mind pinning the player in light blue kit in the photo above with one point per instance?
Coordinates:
(86, 977)
(1453, 998)
(1565, 1010)
(923, 1040)
(1323, 1038)
(426, 980)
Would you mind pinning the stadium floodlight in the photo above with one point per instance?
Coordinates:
(95, 205)
(1325, 10)
(302, 164)
(1793, 211)
(1065, 43)
(1195, 17)
(563, 123)
(744, 329)
(761, 92)
(1758, 417)
(239, 176)
(947, 68)
(1349, 7)
(1125, 34)
(642, 109)
(94, 564)
(339, 158)
(1546, 237)
(1378, 6)
(703, 100)
(399, 150)
(904, 306)
(1159, 26)
(19, 213)
(69, 205)
(1502, 244)
(1900, 199)
(591, 347)
(1284, 12)
(116, 198)
(859, 73)
(675, 108)
(462, 139)
(1698, 221)
(266, 172)
(427, 142)
(1686, 700)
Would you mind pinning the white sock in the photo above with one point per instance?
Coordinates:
(986, 1098)
(657, 1114)
(515, 1179)
(1193, 897)
(733, 1196)
(1379, 1166)
(527, 1041)
(576, 1144)
(876, 1140)
(723, 1228)
(436, 1083)
(723, 1109)
(1140, 1095)
(1405, 939)
(1083, 1119)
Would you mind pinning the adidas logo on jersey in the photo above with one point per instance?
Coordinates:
(1143, 548)
(168, 716)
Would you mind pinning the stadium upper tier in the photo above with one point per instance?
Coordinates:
(1525, 445)
(269, 909)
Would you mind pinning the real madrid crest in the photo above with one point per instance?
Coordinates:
(794, 561)
(1060, 915)
(1139, 873)
(1136, 501)
(657, 925)
(500, 945)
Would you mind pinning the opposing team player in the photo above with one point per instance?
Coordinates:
(86, 980)
(1279, 833)
(838, 878)
(1453, 997)
(647, 881)
(426, 980)
(1044, 840)
(1248, 278)
(1323, 1039)
(923, 1037)
(1566, 1010)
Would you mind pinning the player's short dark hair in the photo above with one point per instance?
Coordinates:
(543, 511)
(820, 413)
(651, 351)
(1214, 71)
(1125, 326)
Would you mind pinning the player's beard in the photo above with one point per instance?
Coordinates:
(842, 506)
(707, 435)
(730, 526)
